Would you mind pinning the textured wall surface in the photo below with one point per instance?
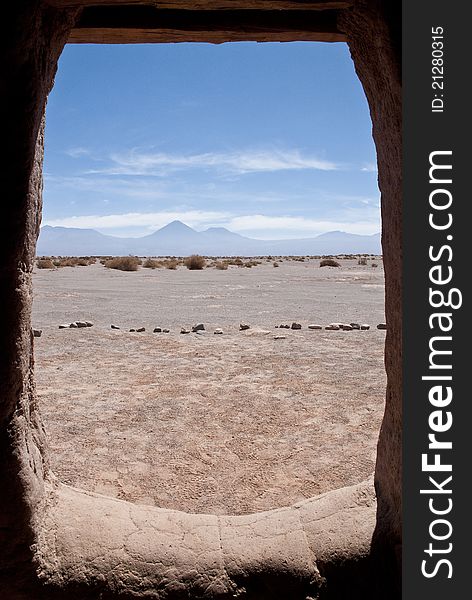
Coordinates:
(57, 542)
(373, 31)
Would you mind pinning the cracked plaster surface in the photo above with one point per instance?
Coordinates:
(85, 539)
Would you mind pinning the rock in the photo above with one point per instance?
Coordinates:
(114, 327)
(296, 326)
(355, 325)
(157, 330)
(132, 329)
(166, 331)
(332, 327)
(315, 327)
(218, 331)
(37, 332)
(347, 327)
(183, 330)
(365, 327)
(73, 325)
(198, 327)
(382, 326)
(64, 326)
(280, 337)
(81, 324)
(89, 323)
(276, 327)
(140, 329)
(243, 327)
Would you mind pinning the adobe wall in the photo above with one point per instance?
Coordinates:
(374, 36)
(56, 542)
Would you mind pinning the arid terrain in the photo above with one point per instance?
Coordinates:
(231, 423)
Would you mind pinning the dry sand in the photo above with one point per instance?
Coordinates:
(226, 424)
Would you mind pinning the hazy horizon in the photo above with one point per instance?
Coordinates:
(206, 229)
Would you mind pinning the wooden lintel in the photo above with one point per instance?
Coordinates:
(145, 24)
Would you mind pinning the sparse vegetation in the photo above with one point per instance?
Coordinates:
(124, 263)
(362, 261)
(151, 263)
(236, 261)
(221, 265)
(329, 262)
(44, 263)
(275, 264)
(171, 263)
(195, 262)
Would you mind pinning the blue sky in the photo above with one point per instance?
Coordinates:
(269, 140)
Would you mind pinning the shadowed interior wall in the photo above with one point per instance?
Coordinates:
(373, 31)
(31, 45)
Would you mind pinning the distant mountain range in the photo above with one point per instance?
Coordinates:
(178, 239)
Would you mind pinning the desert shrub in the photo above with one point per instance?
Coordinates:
(82, 261)
(151, 263)
(362, 261)
(221, 265)
(275, 264)
(123, 263)
(329, 262)
(374, 265)
(194, 262)
(44, 263)
(235, 261)
(171, 264)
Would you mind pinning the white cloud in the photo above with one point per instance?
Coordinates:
(298, 226)
(78, 152)
(150, 221)
(369, 168)
(239, 162)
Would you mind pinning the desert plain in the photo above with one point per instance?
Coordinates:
(229, 424)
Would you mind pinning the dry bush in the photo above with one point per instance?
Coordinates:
(374, 265)
(171, 263)
(237, 262)
(123, 263)
(151, 263)
(44, 263)
(276, 264)
(195, 262)
(362, 261)
(329, 262)
(221, 265)
(84, 261)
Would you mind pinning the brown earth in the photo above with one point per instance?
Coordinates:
(236, 423)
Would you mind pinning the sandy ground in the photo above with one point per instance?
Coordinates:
(227, 424)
